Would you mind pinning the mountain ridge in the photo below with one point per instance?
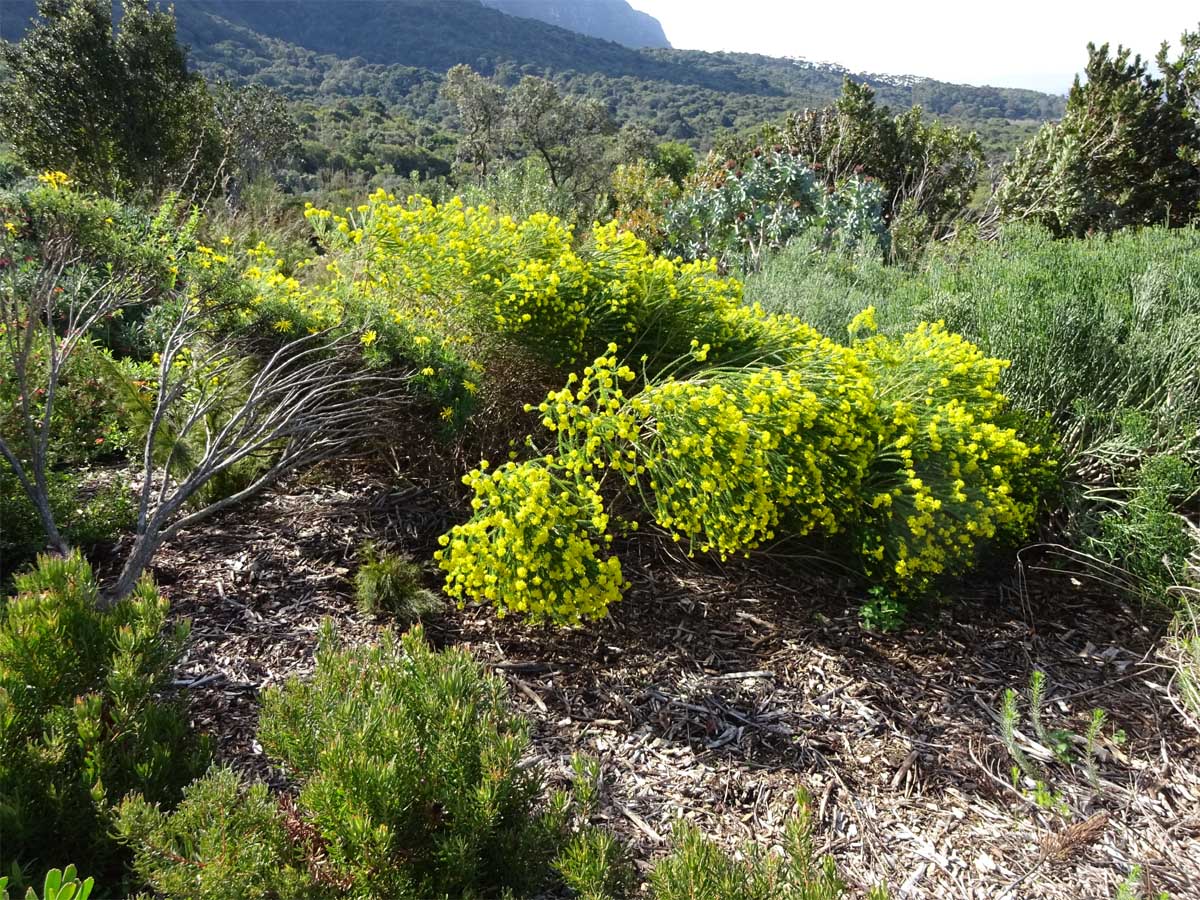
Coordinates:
(610, 20)
(397, 51)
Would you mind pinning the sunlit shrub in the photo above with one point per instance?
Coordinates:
(409, 762)
(537, 544)
(949, 472)
(902, 451)
(81, 722)
(226, 841)
(739, 215)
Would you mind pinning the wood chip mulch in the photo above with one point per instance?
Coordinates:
(712, 695)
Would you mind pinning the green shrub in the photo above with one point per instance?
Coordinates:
(1185, 643)
(226, 840)
(81, 722)
(409, 765)
(84, 520)
(696, 867)
(1145, 534)
(595, 865)
(388, 583)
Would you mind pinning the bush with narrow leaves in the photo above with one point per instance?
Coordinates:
(81, 718)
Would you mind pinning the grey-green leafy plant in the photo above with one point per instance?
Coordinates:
(882, 611)
(741, 215)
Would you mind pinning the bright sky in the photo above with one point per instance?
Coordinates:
(1014, 43)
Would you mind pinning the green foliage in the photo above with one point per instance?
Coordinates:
(1101, 335)
(60, 884)
(409, 765)
(883, 611)
(116, 110)
(565, 134)
(1055, 743)
(596, 866)
(1185, 645)
(739, 215)
(696, 867)
(928, 171)
(81, 720)
(1146, 532)
(85, 518)
(1126, 152)
(386, 582)
(1134, 888)
(225, 841)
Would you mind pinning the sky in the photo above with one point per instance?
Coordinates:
(1036, 44)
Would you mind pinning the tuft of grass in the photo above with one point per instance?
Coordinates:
(696, 867)
(387, 583)
(1186, 646)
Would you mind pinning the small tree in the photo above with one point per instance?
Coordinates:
(927, 169)
(481, 111)
(1127, 151)
(216, 403)
(564, 132)
(117, 112)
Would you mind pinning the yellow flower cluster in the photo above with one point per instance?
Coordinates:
(467, 270)
(896, 446)
(56, 180)
(536, 545)
(722, 457)
(949, 474)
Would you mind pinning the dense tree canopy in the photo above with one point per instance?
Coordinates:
(116, 110)
(1126, 152)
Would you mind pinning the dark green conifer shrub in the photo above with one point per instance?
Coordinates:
(388, 583)
(227, 839)
(81, 719)
(409, 761)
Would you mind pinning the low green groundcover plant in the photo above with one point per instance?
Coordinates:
(696, 867)
(387, 583)
(411, 785)
(81, 717)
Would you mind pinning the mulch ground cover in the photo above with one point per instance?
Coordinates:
(711, 694)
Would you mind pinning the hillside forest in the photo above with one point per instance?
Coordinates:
(444, 454)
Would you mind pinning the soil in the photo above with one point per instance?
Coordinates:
(713, 693)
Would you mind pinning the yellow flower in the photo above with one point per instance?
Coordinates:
(56, 180)
(369, 337)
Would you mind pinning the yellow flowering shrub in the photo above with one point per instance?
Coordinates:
(899, 449)
(722, 457)
(537, 544)
(949, 473)
(465, 271)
